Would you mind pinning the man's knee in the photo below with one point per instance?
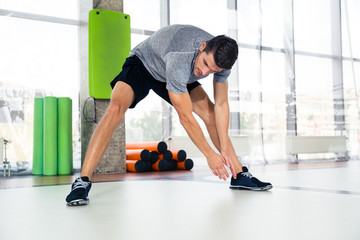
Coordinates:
(115, 113)
(121, 98)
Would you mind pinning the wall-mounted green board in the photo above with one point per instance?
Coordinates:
(109, 46)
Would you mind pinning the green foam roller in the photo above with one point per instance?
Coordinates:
(65, 159)
(50, 136)
(38, 157)
(109, 46)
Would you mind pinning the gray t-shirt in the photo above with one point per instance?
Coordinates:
(169, 56)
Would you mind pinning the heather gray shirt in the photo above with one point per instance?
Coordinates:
(169, 56)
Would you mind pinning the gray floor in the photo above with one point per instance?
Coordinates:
(304, 204)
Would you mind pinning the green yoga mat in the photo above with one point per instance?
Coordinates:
(65, 153)
(109, 46)
(50, 136)
(37, 164)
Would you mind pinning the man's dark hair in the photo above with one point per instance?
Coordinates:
(225, 51)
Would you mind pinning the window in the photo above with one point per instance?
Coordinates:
(273, 23)
(351, 72)
(314, 99)
(312, 26)
(144, 122)
(350, 31)
(38, 58)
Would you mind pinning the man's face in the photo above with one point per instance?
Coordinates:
(205, 63)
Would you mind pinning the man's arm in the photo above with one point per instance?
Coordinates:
(222, 112)
(183, 106)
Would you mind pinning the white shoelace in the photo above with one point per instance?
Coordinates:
(247, 174)
(79, 183)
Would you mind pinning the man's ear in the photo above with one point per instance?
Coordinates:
(202, 47)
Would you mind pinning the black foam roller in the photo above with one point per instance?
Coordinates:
(167, 155)
(145, 155)
(162, 165)
(181, 155)
(154, 156)
(140, 166)
(189, 164)
(162, 147)
(172, 165)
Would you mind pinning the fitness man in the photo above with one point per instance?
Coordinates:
(171, 62)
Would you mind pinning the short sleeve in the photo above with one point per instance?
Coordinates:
(222, 76)
(178, 69)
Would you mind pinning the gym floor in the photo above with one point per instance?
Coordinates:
(308, 201)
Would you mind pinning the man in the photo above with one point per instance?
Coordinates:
(171, 62)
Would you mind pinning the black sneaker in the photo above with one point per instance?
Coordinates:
(79, 192)
(245, 181)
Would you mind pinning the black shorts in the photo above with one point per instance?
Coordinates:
(140, 80)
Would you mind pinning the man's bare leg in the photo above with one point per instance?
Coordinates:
(204, 108)
(121, 98)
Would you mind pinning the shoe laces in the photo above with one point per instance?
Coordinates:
(246, 174)
(80, 184)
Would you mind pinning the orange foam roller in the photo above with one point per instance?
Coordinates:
(179, 155)
(138, 154)
(135, 166)
(188, 164)
(159, 165)
(148, 166)
(160, 147)
(171, 165)
(154, 156)
(167, 155)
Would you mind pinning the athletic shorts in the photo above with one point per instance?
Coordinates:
(140, 80)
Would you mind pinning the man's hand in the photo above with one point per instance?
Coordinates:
(228, 162)
(222, 113)
(216, 164)
(183, 106)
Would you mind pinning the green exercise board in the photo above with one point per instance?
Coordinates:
(109, 46)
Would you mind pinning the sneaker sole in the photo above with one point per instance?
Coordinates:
(265, 188)
(78, 202)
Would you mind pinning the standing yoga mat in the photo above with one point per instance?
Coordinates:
(64, 152)
(50, 136)
(38, 157)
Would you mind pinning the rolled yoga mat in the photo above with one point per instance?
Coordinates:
(50, 136)
(38, 154)
(65, 153)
